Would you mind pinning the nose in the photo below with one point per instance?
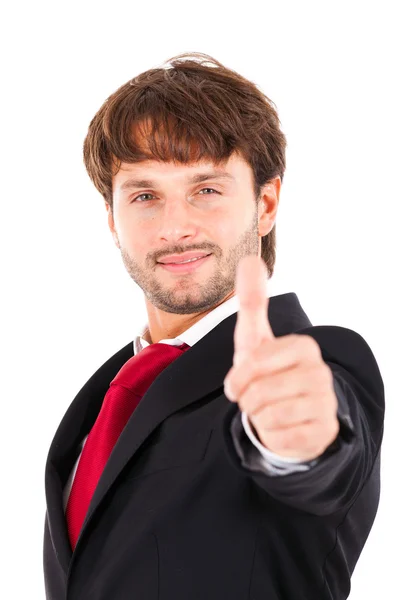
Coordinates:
(178, 222)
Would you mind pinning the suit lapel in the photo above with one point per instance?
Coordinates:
(198, 372)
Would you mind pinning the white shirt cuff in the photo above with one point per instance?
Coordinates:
(273, 458)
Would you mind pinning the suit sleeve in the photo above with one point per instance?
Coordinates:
(334, 482)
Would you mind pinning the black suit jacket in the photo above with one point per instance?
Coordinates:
(177, 516)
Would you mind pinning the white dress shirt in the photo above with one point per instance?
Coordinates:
(259, 457)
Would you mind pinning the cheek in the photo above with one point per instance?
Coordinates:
(226, 223)
(132, 228)
(133, 238)
(227, 229)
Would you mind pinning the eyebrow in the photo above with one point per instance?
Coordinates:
(132, 183)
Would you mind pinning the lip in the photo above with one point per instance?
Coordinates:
(186, 267)
(175, 258)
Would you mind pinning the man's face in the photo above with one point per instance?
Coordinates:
(172, 215)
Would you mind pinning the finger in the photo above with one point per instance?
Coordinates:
(252, 325)
(284, 412)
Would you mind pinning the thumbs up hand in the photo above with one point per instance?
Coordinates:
(282, 384)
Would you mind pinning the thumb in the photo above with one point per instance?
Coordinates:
(252, 325)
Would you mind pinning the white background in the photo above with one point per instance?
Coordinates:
(68, 304)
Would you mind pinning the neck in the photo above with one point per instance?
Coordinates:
(164, 326)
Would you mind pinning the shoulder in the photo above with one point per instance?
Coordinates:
(348, 350)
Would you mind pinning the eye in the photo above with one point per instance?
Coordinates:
(209, 189)
(145, 194)
(148, 194)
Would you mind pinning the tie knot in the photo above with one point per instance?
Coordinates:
(140, 370)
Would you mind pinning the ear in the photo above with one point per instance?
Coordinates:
(111, 224)
(268, 205)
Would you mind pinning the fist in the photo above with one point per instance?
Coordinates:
(282, 384)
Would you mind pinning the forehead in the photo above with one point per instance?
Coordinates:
(148, 172)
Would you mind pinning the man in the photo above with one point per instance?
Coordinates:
(232, 449)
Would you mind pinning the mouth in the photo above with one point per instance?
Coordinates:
(187, 267)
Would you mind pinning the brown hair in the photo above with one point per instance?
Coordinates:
(198, 109)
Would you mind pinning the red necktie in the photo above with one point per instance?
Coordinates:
(124, 394)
